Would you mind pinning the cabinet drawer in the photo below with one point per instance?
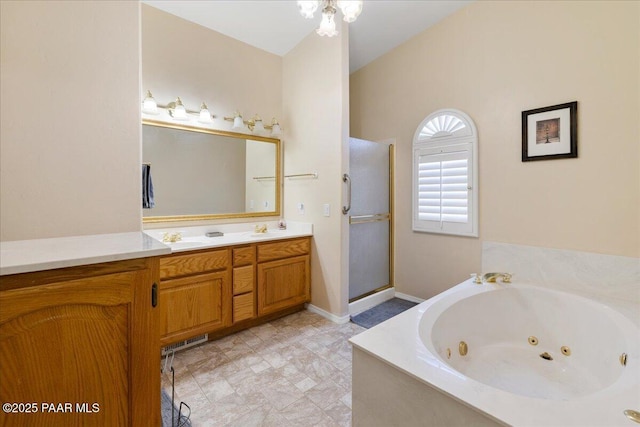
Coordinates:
(243, 307)
(244, 256)
(190, 263)
(242, 279)
(287, 248)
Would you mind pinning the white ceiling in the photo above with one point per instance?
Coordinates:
(277, 26)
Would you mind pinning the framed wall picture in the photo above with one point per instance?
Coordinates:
(550, 132)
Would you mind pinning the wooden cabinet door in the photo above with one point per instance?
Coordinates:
(194, 305)
(82, 346)
(283, 284)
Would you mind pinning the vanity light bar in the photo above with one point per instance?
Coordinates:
(254, 124)
(176, 109)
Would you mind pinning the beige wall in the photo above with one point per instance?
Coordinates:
(315, 102)
(69, 123)
(493, 60)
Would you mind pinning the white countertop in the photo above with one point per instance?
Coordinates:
(25, 256)
(193, 238)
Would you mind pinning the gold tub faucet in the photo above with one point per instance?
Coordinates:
(491, 277)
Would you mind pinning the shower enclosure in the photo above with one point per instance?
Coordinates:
(370, 222)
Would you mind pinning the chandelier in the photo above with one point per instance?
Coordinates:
(350, 9)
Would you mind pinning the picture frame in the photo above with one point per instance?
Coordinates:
(550, 132)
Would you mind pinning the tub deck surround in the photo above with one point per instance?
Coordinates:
(25, 256)
(193, 238)
(397, 343)
(612, 279)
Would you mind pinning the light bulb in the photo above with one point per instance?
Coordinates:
(258, 126)
(238, 123)
(149, 104)
(275, 128)
(307, 7)
(351, 9)
(179, 112)
(205, 115)
(328, 25)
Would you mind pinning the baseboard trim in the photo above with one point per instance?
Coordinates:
(335, 319)
(366, 303)
(409, 297)
(363, 304)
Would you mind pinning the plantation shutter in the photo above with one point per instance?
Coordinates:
(443, 195)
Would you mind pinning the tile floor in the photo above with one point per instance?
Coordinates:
(293, 371)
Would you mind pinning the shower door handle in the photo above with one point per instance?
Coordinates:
(347, 179)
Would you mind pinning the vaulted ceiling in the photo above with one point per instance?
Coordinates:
(277, 26)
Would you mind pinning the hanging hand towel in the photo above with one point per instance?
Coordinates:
(147, 187)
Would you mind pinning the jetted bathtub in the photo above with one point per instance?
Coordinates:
(513, 354)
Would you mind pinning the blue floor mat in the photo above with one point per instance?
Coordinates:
(382, 312)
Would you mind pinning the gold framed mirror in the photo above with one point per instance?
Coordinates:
(199, 173)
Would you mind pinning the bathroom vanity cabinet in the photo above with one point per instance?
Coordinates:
(225, 289)
(79, 345)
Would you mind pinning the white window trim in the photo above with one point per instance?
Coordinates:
(462, 139)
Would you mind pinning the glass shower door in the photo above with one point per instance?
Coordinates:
(369, 218)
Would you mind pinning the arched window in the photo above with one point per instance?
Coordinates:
(445, 174)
